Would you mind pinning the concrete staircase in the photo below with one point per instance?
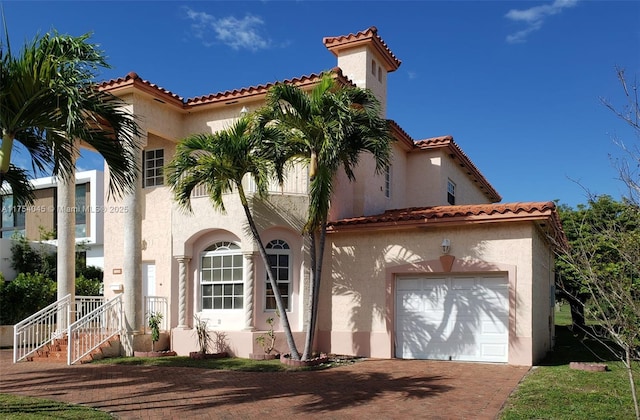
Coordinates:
(56, 351)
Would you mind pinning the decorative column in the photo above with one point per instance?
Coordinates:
(183, 265)
(66, 221)
(132, 262)
(249, 283)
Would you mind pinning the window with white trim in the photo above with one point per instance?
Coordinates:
(280, 260)
(152, 168)
(221, 277)
(451, 192)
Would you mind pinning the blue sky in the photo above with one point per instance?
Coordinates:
(517, 84)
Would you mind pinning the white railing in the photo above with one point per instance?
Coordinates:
(86, 304)
(95, 328)
(157, 304)
(296, 182)
(36, 331)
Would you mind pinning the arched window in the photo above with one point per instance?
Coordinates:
(280, 260)
(221, 279)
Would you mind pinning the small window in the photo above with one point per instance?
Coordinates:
(81, 210)
(379, 74)
(13, 217)
(152, 168)
(451, 192)
(280, 261)
(373, 67)
(387, 181)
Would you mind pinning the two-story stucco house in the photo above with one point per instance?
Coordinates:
(420, 262)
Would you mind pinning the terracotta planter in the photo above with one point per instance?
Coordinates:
(261, 356)
(164, 353)
(200, 356)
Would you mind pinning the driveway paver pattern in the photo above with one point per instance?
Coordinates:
(381, 389)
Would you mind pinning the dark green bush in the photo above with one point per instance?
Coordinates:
(88, 287)
(25, 295)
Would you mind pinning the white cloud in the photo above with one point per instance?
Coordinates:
(534, 18)
(236, 33)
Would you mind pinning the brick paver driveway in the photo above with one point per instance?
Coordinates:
(374, 389)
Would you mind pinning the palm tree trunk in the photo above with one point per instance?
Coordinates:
(295, 355)
(5, 154)
(317, 256)
(311, 304)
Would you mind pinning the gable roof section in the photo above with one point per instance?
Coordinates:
(455, 152)
(543, 213)
(133, 81)
(335, 44)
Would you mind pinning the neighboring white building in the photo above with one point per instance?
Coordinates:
(42, 216)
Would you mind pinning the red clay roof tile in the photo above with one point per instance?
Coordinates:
(369, 35)
(543, 212)
(456, 152)
(132, 79)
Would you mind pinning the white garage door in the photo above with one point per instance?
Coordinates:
(452, 318)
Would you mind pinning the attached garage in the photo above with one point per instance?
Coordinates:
(454, 317)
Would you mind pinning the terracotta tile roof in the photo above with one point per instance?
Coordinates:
(400, 135)
(133, 80)
(370, 35)
(544, 213)
(235, 94)
(455, 152)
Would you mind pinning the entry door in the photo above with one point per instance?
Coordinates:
(148, 279)
(452, 318)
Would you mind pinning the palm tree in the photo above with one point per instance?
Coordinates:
(219, 162)
(49, 103)
(329, 127)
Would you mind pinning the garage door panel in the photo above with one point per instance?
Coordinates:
(455, 318)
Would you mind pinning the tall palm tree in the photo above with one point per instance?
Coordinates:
(329, 128)
(219, 162)
(49, 102)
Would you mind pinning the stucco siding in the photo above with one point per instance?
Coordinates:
(423, 180)
(358, 297)
(467, 192)
(356, 64)
(543, 299)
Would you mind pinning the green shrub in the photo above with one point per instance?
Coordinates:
(88, 286)
(24, 296)
(92, 272)
(27, 259)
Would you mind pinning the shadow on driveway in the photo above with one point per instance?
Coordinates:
(380, 388)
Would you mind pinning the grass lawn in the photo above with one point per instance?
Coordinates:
(554, 391)
(28, 408)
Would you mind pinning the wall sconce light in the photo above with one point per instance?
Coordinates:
(446, 246)
(117, 288)
(244, 111)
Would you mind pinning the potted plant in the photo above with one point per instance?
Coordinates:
(205, 339)
(267, 341)
(154, 320)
